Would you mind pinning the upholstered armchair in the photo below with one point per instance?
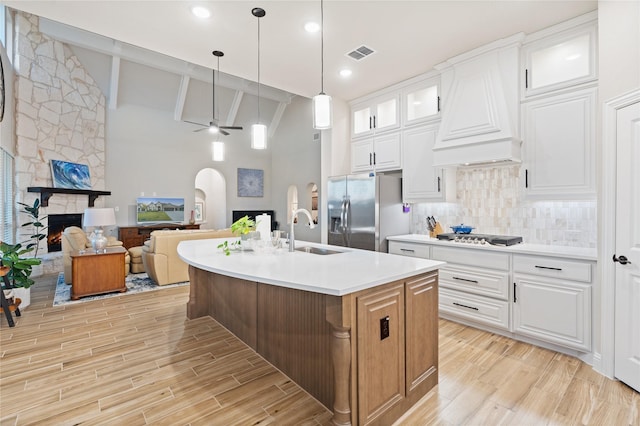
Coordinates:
(74, 238)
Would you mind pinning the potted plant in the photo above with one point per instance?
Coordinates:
(241, 227)
(35, 222)
(20, 269)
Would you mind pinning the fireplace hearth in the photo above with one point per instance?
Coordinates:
(57, 224)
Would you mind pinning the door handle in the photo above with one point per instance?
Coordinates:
(622, 259)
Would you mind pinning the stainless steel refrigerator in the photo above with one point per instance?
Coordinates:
(364, 210)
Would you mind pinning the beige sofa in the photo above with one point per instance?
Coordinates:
(74, 238)
(160, 254)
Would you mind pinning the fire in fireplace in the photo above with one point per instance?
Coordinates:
(57, 224)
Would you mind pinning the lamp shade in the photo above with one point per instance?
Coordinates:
(322, 115)
(98, 217)
(258, 136)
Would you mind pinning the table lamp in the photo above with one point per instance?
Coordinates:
(98, 218)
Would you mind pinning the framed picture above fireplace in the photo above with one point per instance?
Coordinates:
(70, 175)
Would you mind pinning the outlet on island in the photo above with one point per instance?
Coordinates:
(384, 328)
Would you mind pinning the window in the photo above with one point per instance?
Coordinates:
(6, 192)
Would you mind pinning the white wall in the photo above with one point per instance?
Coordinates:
(296, 161)
(149, 152)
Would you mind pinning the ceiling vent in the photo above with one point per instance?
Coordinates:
(360, 52)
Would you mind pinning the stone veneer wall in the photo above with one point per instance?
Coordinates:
(60, 114)
(490, 199)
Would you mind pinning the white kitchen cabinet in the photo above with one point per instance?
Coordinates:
(474, 286)
(421, 180)
(409, 249)
(457, 305)
(559, 145)
(534, 297)
(375, 115)
(560, 60)
(421, 102)
(552, 300)
(380, 153)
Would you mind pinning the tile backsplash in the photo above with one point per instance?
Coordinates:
(490, 199)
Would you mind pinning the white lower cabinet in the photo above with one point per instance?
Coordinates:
(540, 298)
(552, 300)
(555, 311)
(410, 249)
(483, 310)
(474, 285)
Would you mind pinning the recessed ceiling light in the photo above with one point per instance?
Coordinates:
(312, 27)
(345, 73)
(200, 12)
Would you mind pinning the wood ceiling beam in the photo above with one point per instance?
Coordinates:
(95, 42)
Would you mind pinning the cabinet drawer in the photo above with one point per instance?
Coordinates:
(475, 308)
(553, 267)
(471, 257)
(484, 282)
(409, 249)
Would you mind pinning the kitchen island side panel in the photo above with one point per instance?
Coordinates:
(294, 334)
(230, 301)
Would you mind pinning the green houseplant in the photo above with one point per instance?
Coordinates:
(35, 222)
(20, 267)
(17, 257)
(240, 227)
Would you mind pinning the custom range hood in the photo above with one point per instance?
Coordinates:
(480, 113)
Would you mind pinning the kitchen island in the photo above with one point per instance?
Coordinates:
(356, 329)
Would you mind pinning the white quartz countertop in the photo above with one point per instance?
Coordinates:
(335, 274)
(522, 248)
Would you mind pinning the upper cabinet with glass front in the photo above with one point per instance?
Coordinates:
(374, 115)
(421, 102)
(565, 59)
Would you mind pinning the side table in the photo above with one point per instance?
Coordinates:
(97, 273)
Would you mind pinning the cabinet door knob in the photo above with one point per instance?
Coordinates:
(622, 259)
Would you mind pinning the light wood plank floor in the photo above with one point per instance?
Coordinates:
(136, 359)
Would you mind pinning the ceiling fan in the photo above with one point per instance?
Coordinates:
(214, 125)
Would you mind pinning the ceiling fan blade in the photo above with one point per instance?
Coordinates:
(231, 127)
(199, 124)
(201, 130)
(223, 132)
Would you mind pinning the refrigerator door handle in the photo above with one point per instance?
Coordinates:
(347, 223)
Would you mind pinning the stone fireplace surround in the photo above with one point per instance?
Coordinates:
(59, 114)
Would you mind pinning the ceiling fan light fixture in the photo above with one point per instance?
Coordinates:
(322, 111)
(258, 131)
(201, 12)
(312, 27)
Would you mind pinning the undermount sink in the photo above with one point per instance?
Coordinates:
(317, 250)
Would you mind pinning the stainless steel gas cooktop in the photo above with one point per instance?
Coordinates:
(496, 240)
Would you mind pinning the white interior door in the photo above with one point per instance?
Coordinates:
(627, 256)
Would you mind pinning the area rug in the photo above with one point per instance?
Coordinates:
(136, 283)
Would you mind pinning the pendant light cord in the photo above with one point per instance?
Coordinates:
(258, 70)
(322, 47)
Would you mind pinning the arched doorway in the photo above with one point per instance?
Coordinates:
(211, 194)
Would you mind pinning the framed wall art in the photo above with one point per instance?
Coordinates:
(198, 210)
(70, 175)
(250, 183)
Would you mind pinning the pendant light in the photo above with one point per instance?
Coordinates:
(258, 130)
(322, 114)
(217, 146)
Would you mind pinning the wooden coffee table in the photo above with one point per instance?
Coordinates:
(97, 273)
